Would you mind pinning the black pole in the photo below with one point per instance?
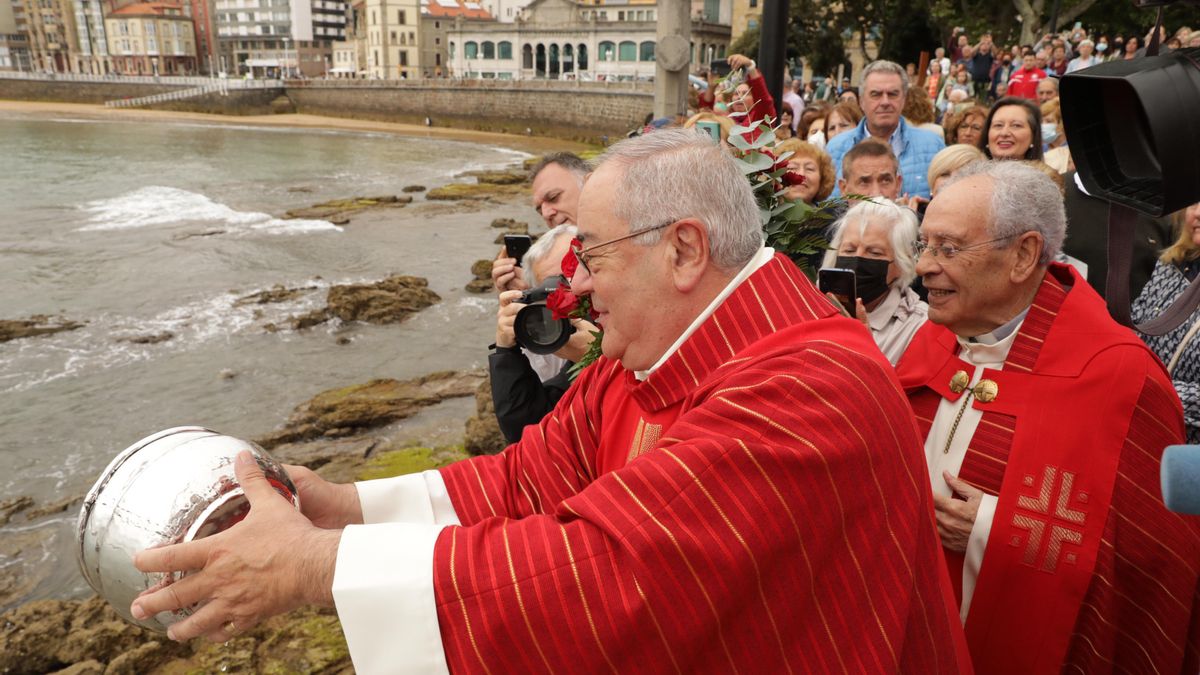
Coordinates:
(772, 47)
(1053, 18)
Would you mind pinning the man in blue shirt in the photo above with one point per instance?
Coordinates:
(884, 88)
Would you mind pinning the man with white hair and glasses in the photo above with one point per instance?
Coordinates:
(734, 486)
(1044, 424)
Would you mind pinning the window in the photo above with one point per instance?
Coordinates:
(627, 51)
(437, 40)
(438, 59)
(646, 51)
(489, 50)
(393, 36)
(621, 16)
(451, 50)
(608, 51)
(505, 50)
(404, 57)
(471, 50)
(400, 13)
(437, 24)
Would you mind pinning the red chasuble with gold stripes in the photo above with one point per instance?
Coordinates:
(1085, 569)
(758, 505)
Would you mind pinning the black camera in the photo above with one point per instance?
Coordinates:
(535, 327)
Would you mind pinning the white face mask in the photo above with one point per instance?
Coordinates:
(1102, 47)
(817, 138)
(1049, 132)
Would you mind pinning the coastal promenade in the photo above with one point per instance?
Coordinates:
(585, 111)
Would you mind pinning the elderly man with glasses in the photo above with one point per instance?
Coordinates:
(735, 486)
(1044, 424)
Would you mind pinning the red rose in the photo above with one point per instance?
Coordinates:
(562, 302)
(569, 262)
(791, 178)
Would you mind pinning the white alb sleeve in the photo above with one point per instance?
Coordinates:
(412, 498)
(383, 591)
(976, 547)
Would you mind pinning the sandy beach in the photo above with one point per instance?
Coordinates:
(530, 144)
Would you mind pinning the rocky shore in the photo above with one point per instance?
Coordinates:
(343, 435)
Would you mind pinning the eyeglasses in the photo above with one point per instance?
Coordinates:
(948, 251)
(583, 255)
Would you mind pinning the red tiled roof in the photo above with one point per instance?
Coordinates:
(468, 9)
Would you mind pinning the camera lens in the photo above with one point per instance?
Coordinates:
(538, 331)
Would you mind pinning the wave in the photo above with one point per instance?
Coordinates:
(160, 206)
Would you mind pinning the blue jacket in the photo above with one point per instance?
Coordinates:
(914, 148)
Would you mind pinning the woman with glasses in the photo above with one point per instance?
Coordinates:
(966, 127)
(876, 240)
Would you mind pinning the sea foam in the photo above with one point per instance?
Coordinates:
(160, 206)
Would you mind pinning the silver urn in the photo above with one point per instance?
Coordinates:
(174, 486)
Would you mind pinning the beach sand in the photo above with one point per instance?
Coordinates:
(530, 144)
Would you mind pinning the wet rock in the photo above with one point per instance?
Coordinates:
(339, 211)
(22, 551)
(480, 286)
(343, 340)
(89, 667)
(511, 224)
(191, 235)
(277, 293)
(477, 191)
(11, 507)
(353, 409)
(299, 322)
(387, 301)
(299, 189)
(413, 188)
(52, 508)
(500, 177)
(227, 374)
(38, 324)
(483, 436)
(482, 269)
(150, 339)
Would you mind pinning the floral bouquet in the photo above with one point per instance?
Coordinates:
(564, 304)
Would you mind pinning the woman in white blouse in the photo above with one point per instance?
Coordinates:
(875, 239)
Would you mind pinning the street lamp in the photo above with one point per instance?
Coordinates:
(284, 61)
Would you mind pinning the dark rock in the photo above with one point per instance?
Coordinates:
(151, 339)
(511, 224)
(482, 269)
(343, 340)
(277, 293)
(190, 235)
(474, 191)
(313, 318)
(500, 177)
(483, 436)
(53, 508)
(413, 188)
(11, 507)
(89, 667)
(299, 189)
(352, 409)
(339, 220)
(38, 324)
(480, 286)
(383, 302)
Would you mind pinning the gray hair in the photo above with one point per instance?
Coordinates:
(887, 68)
(902, 232)
(674, 174)
(567, 160)
(539, 250)
(1023, 200)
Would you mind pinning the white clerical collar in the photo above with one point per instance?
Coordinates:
(764, 256)
(1000, 333)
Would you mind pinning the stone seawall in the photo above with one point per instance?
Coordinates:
(584, 111)
(235, 102)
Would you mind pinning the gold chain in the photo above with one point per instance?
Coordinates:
(957, 419)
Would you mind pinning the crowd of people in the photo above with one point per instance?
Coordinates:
(955, 472)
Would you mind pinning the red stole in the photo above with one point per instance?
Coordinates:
(1048, 446)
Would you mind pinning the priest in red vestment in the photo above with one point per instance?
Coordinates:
(736, 486)
(1044, 422)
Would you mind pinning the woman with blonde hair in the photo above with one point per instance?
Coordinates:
(1178, 267)
(951, 159)
(875, 239)
(1054, 138)
(814, 164)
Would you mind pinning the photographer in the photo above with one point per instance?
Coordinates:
(525, 386)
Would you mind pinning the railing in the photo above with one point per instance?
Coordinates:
(473, 83)
(143, 79)
(220, 87)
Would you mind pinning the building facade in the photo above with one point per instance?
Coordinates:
(278, 38)
(393, 46)
(747, 14)
(50, 28)
(562, 39)
(153, 38)
(14, 43)
(437, 19)
(92, 54)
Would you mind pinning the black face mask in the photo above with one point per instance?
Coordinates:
(870, 276)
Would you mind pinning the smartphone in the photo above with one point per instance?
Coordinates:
(713, 129)
(719, 67)
(840, 284)
(517, 245)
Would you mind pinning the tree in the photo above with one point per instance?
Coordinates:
(1035, 19)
